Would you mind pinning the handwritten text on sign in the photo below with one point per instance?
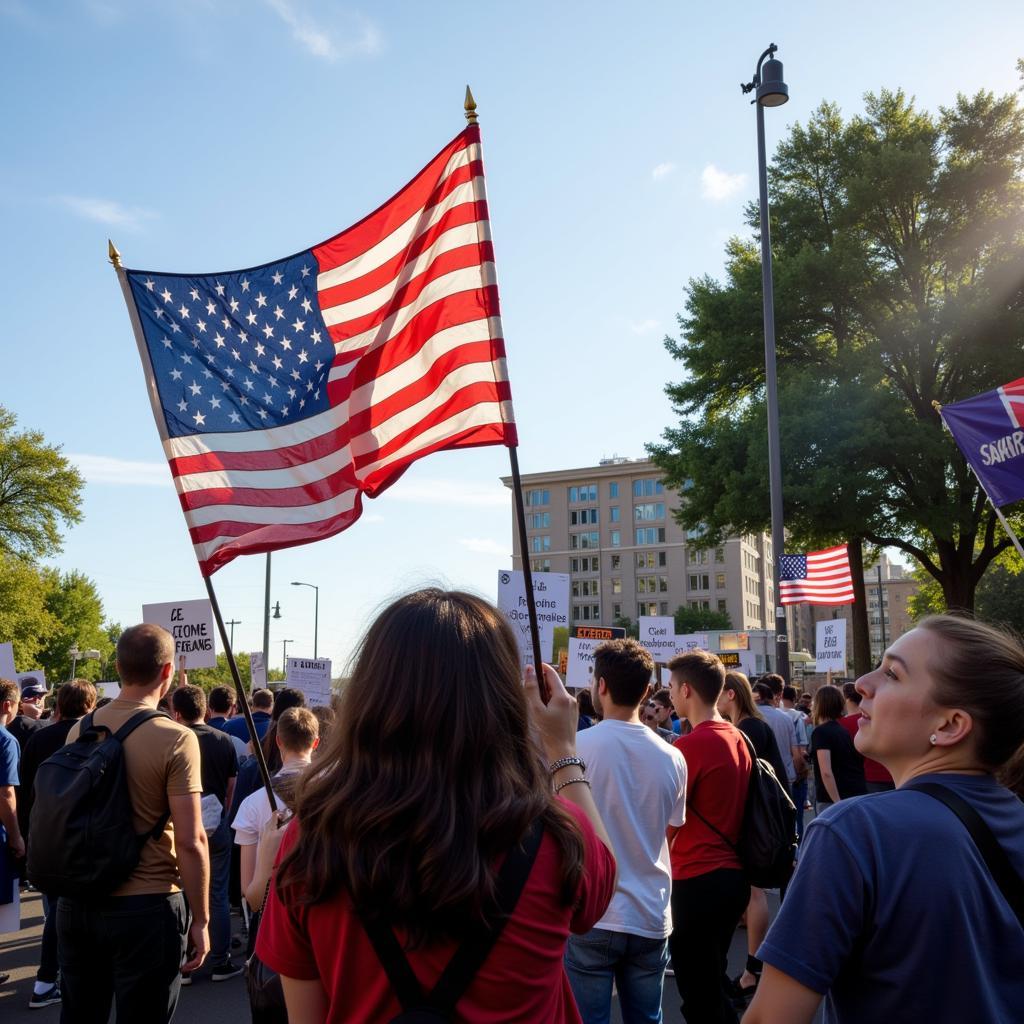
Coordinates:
(551, 598)
(658, 636)
(830, 645)
(191, 625)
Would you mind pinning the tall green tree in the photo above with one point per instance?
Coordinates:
(694, 620)
(39, 490)
(897, 239)
(74, 603)
(26, 621)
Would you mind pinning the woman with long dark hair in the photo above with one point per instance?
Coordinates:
(838, 766)
(894, 911)
(432, 778)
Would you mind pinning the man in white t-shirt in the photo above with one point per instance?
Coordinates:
(639, 786)
(298, 733)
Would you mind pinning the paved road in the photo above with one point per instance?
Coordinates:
(203, 1002)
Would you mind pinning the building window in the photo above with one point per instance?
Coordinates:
(540, 564)
(539, 544)
(616, 585)
(720, 581)
(645, 585)
(615, 538)
(645, 559)
(586, 612)
(719, 555)
(701, 606)
(663, 607)
(650, 535)
(583, 517)
(700, 581)
(539, 497)
(697, 556)
(617, 611)
(649, 510)
(721, 605)
(613, 489)
(583, 540)
(616, 562)
(584, 588)
(647, 608)
(539, 521)
(585, 492)
(614, 514)
(647, 488)
(588, 564)
(662, 559)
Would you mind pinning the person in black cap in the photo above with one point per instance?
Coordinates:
(30, 710)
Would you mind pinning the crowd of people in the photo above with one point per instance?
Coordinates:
(486, 847)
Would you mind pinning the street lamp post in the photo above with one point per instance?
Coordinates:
(284, 655)
(316, 611)
(77, 655)
(771, 91)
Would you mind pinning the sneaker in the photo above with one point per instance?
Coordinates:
(47, 998)
(186, 979)
(226, 970)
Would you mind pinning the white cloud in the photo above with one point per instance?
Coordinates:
(450, 492)
(359, 38)
(485, 546)
(643, 326)
(371, 517)
(663, 170)
(717, 185)
(105, 469)
(108, 211)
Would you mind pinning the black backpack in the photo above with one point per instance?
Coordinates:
(767, 841)
(438, 1006)
(82, 839)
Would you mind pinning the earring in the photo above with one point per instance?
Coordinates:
(932, 739)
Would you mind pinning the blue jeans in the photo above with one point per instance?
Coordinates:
(635, 963)
(220, 906)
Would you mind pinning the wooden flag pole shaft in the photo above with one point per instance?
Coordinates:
(531, 607)
(243, 702)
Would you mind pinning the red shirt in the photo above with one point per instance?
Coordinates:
(522, 980)
(718, 768)
(873, 771)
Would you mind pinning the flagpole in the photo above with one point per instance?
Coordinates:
(243, 703)
(999, 512)
(517, 491)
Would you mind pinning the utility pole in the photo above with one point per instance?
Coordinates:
(232, 623)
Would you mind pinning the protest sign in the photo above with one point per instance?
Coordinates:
(551, 597)
(7, 661)
(37, 675)
(658, 636)
(581, 661)
(312, 676)
(111, 690)
(691, 642)
(191, 625)
(830, 645)
(257, 671)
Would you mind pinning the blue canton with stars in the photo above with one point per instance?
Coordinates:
(247, 350)
(793, 567)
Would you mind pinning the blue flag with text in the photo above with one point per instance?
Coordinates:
(989, 430)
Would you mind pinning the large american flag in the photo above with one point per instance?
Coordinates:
(285, 392)
(819, 577)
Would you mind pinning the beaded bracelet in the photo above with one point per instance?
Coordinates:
(570, 782)
(565, 762)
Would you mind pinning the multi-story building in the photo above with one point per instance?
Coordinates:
(611, 528)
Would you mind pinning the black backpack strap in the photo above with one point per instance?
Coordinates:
(471, 954)
(1003, 872)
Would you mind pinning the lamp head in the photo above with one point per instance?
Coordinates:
(277, 610)
(772, 91)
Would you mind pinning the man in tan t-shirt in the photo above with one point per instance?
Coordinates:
(129, 946)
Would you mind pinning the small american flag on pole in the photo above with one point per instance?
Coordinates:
(819, 577)
(285, 392)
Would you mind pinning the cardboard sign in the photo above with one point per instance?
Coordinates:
(658, 636)
(551, 598)
(191, 625)
(830, 645)
(257, 671)
(691, 642)
(312, 676)
(599, 632)
(7, 661)
(110, 690)
(580, 672)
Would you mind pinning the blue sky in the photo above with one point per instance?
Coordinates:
(207, 135)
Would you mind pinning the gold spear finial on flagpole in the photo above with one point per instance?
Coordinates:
(937, 406)
(114, 255)
(470, 107)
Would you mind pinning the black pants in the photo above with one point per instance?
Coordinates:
(705, 912)
(48, 965)
(125, 949)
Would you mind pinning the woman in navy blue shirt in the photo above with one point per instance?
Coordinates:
(893, 913)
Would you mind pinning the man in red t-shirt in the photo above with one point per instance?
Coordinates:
(709, 889)
(876, 775)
